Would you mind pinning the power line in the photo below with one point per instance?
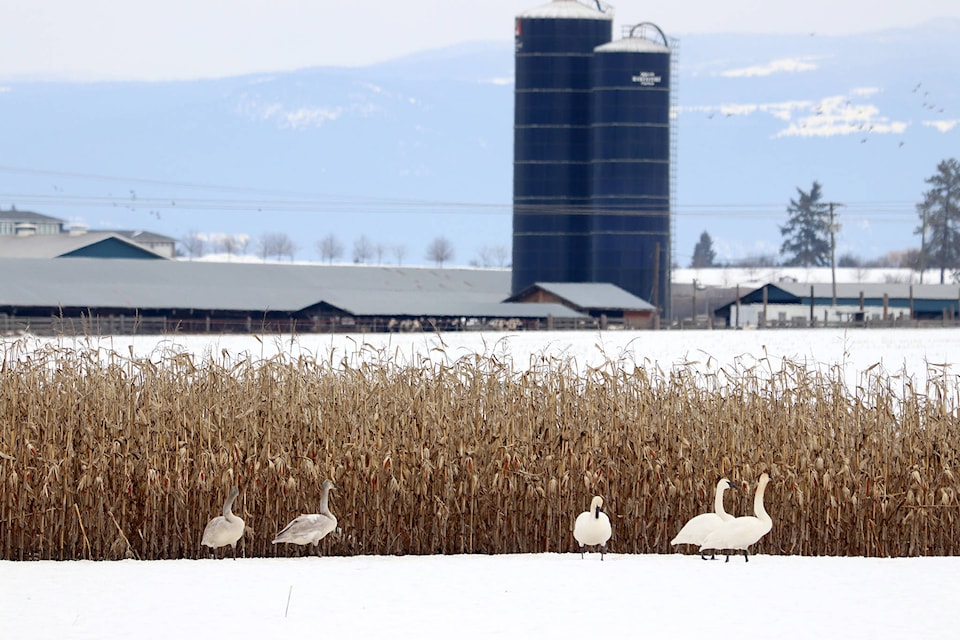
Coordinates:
(299, 202)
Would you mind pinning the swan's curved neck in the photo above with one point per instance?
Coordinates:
(325, 501)
(228, 506)
(718, 502)
(758, 509)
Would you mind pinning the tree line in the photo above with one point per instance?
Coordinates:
(809, 234)
(280, 246)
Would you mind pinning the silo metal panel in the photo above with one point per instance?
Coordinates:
(552, 141)
(630, 169)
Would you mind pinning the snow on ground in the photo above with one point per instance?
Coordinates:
(511, 596)
(913, 353)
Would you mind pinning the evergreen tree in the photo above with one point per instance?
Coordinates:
(940, 219)
(704, 256)
(806, 236)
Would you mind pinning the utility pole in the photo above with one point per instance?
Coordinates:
(923, 241)
(946, 232)
(833, 228)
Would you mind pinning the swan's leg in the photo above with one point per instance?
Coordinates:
(728, 557)
(581, 551)
(745, 557)
(603, 550)
(713, 555)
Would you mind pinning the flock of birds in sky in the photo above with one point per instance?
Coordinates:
(716, 531)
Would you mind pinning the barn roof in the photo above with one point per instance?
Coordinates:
(923, 298)
(589, 295)
(16, 215)
(850, 292)
(100, 244)
(217, 286)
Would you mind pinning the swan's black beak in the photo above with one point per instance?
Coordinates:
(733, 486)
(597, 514)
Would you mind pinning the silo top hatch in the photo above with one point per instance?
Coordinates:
(636, 42)
(569, 9)
(632, 45)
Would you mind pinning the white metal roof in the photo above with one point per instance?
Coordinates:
(592, 295)
(53, 245)
(571, 9)
(632, 45)
(172, 284)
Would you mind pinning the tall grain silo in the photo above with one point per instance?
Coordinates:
(630, 165)
(552, 140)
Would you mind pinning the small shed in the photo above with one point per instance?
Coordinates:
(602, 300)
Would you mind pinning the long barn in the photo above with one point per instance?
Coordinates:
(85, 295)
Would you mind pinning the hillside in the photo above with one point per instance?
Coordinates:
(404, 151)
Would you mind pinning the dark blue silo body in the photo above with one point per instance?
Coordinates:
(630, 168)
(552, 141)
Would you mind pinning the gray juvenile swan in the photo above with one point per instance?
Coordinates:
(226, 529)
(698, 527)
(310, 528)
(592, 527)
(740, 533)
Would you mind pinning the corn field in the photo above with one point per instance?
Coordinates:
(124, 457)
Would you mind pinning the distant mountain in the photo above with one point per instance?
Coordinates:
(418, 147)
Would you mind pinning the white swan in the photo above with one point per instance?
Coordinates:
(697, 528)
(310, 528)
(592, 527)
(740, 533)
(226, 529)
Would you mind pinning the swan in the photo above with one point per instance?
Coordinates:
(699, 526)
(226, 529)
(310, 528)
(593, 527)
(740, 533)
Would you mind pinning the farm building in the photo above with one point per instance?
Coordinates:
(783, 304)
(603, 301)
(85, 295)
(91, 244)
(26, 234)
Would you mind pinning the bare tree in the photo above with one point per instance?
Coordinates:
(362, 250)
(379, 250)
(235, 244)
(288, 248)
(329, 248)
(193, 244)
(439, 251)
(399, 252)
(277, 245)
(493, 256)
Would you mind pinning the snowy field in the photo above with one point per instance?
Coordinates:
(911, 353)
(514, 596)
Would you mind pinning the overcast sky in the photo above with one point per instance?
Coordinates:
(179, 39)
